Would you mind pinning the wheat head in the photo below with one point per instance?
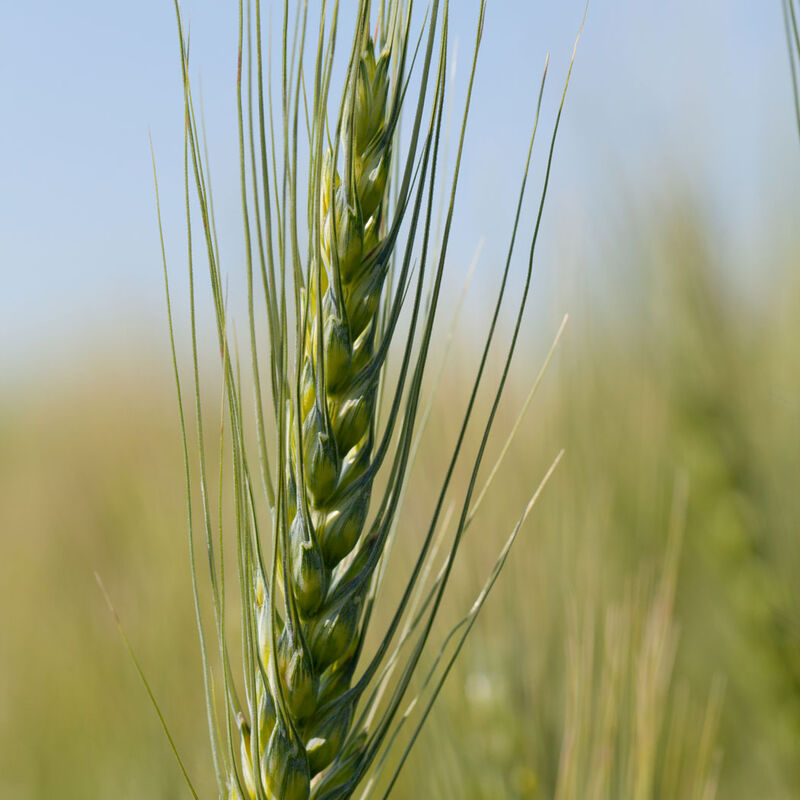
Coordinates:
(319, 715)
(328, 477)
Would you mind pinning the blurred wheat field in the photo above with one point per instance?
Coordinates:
(699, 388)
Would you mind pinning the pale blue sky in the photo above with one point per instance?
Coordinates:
(694, 91)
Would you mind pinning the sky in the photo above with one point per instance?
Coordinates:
(690, 93)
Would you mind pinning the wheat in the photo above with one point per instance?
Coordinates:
(317, 719)
(790, 21)
(329, 481)
(626, 734)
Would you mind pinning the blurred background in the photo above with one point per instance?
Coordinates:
(613, 659)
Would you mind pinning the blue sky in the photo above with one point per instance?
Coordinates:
(693, 92)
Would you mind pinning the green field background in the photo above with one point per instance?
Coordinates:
(695, 384)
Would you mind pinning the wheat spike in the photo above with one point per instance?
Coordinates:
(327, 487)
(318, 715)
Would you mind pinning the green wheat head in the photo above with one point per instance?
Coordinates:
(320, 711)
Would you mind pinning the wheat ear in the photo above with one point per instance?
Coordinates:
(315, 720)
(328, 480)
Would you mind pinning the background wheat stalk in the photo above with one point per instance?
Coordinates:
(319, 714)
(791, 13)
